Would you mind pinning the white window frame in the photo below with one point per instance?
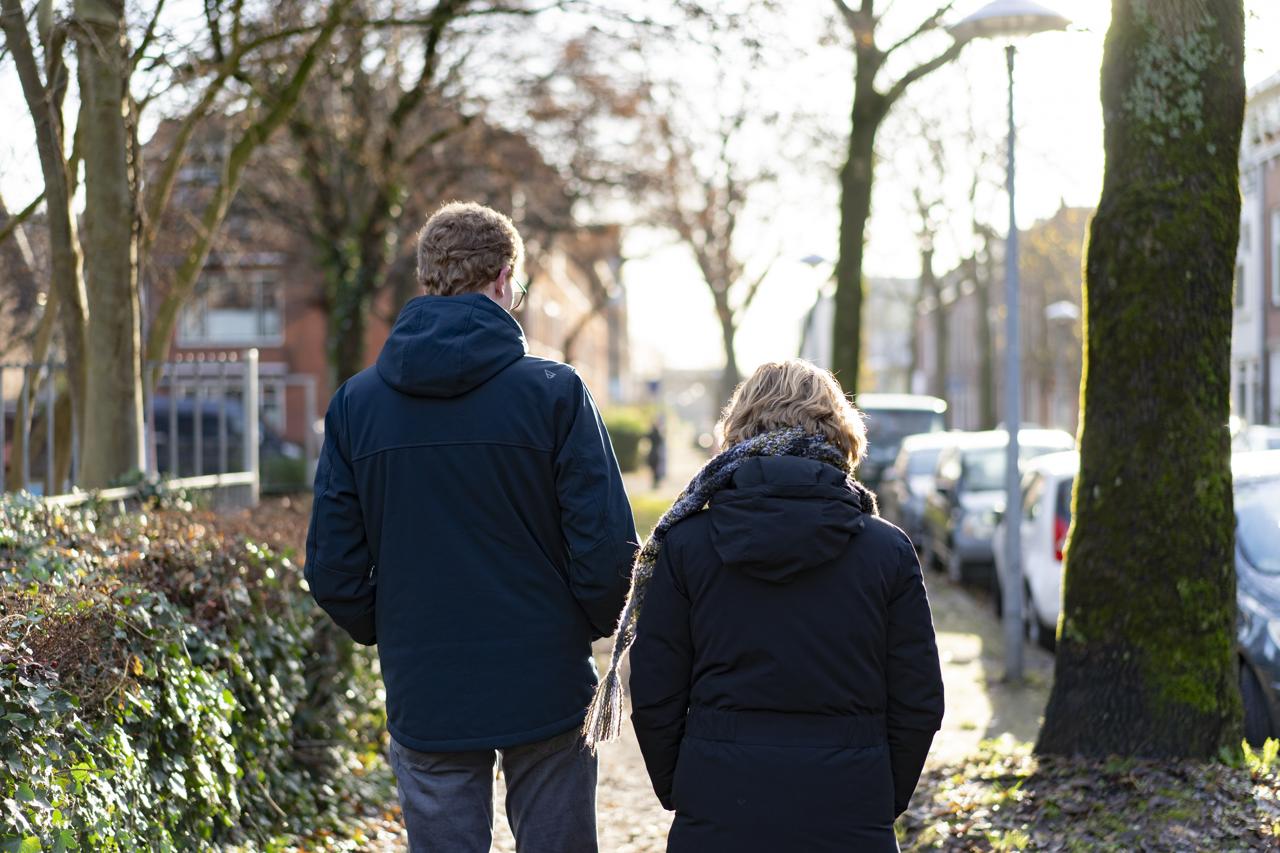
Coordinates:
(198, 302)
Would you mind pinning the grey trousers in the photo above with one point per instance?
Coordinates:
(447, 797)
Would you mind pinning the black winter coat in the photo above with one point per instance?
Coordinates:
(471, 520)
(785, 679)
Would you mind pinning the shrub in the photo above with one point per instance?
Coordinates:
(627, 428)
(282, 475)
(153, 691)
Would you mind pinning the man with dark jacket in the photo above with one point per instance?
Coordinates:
(470, 520)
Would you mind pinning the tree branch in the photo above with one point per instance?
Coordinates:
(753, 288)
(897, 89)
(255, 135)
(927, 25)
(147, 37)
(862, 22)
(22, 216)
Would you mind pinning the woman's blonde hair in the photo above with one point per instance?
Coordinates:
(793, 393)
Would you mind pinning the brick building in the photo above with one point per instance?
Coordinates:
(262, 287)
(972, 296)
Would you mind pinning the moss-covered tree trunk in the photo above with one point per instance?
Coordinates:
(1146, 663)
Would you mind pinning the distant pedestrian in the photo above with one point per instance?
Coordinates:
(470, 520)
(784, 675)
(657, 457)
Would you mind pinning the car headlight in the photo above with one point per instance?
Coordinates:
(978, 525)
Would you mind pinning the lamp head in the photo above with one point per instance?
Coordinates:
(1008, 19)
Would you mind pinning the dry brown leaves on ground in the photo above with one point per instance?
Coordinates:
(1004, 798)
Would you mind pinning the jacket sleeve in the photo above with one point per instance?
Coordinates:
(339, 568)
(595, 515)
(661, 669)
(914, 678)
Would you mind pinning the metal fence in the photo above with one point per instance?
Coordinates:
(202, 420)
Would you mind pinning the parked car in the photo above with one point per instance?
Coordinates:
(1257, 559)
(1257, 505)
(890, 419)
(907, 483)
(969, 491)
(1046, 518)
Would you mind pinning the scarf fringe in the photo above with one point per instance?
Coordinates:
(604, 714)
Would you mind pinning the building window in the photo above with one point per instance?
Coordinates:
(233, 306)
(1238, 284)
(1275, 258)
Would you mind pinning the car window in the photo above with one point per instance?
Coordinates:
(1031, 451)
(1258, 524)
(1032, 491)
(1063, 508)
(984, 469)
(890, 426)
(922, 461)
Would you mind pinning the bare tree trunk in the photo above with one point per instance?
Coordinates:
(113, 433)
(870, 106)
(601, 292)
(44, 102)
(984, 281)
(1146, 661)
(855, 209)
(730, 376)
(929, 289)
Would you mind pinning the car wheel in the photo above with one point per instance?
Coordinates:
(1257, 720)
(1036, 631)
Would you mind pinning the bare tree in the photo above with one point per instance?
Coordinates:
(262, 67)
(871, 105)
(702, 198)
(44, 87)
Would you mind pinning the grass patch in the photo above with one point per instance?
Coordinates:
(647, 509)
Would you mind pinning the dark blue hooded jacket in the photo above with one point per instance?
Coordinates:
(470, 520)
(785, 683)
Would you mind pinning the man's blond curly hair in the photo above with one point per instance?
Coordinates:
(794, 393)
(464, 246)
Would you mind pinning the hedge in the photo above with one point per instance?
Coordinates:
(168, 684)
(627, 427)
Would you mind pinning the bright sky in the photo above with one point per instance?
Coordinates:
(1059, 153)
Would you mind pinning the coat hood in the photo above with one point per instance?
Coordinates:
(783, 515)
(445, 346)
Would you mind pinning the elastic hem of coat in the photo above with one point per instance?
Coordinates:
(492, 741)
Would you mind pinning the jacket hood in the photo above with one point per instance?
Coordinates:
(445, 346)
(783, 515)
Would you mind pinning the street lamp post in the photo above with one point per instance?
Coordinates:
(1007, 20)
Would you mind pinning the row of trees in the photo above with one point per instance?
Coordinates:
(357, 100)
(347, 115)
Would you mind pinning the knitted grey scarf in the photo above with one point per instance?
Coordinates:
(604, 715)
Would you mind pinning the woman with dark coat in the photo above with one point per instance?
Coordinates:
(784, 676)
